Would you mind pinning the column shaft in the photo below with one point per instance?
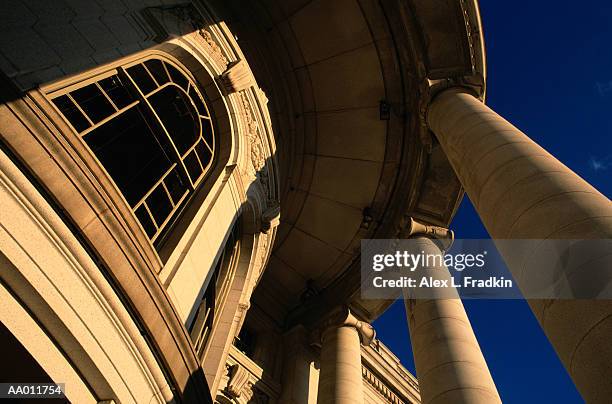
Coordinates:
(522, 192)
(449, 364)
(340, 380)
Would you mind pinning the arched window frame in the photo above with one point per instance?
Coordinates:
(180, 79)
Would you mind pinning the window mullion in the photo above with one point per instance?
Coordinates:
(106, 95)
(108, 118)
(151, 216)
(80, 109)
(124, 128)
(159, 124)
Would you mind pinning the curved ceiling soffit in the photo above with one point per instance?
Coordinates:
(463, 30)
(320, 165)
(408, 180)
(414, 30)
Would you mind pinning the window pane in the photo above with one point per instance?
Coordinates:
(177, 77)
(192, 165)
(142, 79)
(159, 204)
(93, 102)
(178, 116)
(156, 68)
(176, 186)
(70, 111)
(153, 158)
(145, 220)
(116, 90)
(197, 101)
(207, 132)
(204, 154)
(129, 151)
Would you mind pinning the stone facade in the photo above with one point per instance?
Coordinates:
(326, 122)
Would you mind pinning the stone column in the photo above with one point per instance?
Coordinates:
(522, 192)
(449, 365)
(340, 380)
(298, 378)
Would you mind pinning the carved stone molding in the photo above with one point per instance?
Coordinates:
(213, 48)
(270, 218)
(238, 384)
(381, 387)
(257, 150)
(262, 254)
(257, 154)
(473, 33)
(246, 382)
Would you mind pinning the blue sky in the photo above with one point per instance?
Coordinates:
(550, 74)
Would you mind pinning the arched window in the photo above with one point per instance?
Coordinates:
(148, 125)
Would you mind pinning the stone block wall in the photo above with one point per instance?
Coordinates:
(42, 41)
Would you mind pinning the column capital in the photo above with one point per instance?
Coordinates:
(341, 316)
(444, 236)
(429, 89)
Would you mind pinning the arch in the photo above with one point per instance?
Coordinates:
(91, 206)
(59, 305)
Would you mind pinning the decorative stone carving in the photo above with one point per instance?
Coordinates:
(214, 50)
(256, 146)
(271, 216)
(262, 249)
(238, 384)
(472, 33)
(257, 155)
(237, 77)
(262, 95)
(380, 386)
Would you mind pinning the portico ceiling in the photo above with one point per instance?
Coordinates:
(344, 79)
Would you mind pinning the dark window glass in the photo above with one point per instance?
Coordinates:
(156, 68)
(178, 116)
(129, 151)
(142, 78)
(116, 91)
(203, 319)
(154, 150)
(176, 186)
(71, 112)
(207, 132)
(177, 77)
(145, 220)
(245, 342)
(192, 165)
(204, 154)
(93, 102)
(159, 204)
(197, 101)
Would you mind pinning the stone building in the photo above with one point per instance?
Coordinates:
(184, 186)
